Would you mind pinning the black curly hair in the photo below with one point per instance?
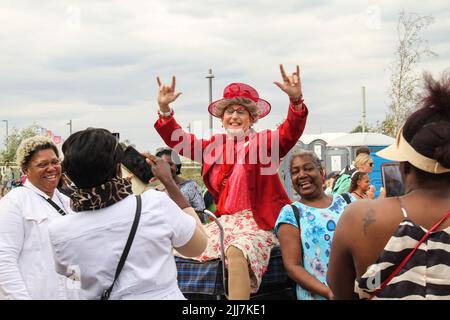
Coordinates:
(427, 130)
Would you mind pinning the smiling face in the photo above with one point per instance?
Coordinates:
(44, 171)
(236, 119)
(307, 177)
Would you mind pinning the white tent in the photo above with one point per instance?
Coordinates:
(325, 136)
(361, 139)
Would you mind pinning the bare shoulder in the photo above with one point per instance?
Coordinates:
(368, 225)
(368, 217)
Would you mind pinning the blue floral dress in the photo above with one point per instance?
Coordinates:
(317, 227)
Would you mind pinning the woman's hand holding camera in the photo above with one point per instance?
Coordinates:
(160, 168)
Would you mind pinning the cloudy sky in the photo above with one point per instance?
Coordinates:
(95, 61)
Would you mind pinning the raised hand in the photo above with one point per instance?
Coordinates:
(292, 84)
(166, 94)
(160, 167)
(371, 192)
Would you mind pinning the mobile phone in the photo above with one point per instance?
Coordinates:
(117, 135)
(135, 162)
(392, 179)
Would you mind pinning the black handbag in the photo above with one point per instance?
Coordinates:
(107, 292)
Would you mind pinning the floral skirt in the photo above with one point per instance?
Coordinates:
(242, 232)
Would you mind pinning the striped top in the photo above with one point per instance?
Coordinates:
(425, 276)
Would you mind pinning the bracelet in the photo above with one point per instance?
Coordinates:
(296, 101)
(165, 114)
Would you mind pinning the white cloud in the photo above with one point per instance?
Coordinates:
(95, 62)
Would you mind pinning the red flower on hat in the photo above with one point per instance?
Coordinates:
(241, 90)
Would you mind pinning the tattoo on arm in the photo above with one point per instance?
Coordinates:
(369, 218)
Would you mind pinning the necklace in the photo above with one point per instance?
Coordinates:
(359, 195)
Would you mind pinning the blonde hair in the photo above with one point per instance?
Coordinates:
(249, 104)
(362, 159)
(29, 146)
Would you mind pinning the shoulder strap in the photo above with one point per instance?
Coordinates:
(49, 200)
(402, 207)
(297, 218)
(406, 259)
(296, 214)
(346, 197)
(107, 292)
(54, 205)
(334, 183)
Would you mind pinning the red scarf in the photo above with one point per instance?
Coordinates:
(225, 171)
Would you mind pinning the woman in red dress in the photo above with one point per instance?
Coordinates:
(240, 171)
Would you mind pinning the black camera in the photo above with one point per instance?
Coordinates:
(136, 163)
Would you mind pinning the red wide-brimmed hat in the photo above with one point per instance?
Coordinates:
(240, 90)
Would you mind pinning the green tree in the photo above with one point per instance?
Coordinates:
(359, 128)
(14, 139)
(404, 76)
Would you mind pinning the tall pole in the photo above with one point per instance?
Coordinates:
(70, 126)
(363, 124)
(210, 76)
(7, 135)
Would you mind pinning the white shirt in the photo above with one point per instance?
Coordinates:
(92, 242)
(27, 269)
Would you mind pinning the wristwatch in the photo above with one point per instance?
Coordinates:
(165, 114)
(296, 101)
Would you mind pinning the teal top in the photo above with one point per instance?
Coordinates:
(317, 227)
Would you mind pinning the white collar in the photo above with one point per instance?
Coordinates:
(41, 193)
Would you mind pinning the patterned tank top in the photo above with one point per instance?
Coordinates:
(425, 276)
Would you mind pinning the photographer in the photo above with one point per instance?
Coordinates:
(92, 241)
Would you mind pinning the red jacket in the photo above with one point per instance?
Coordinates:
(267, 194)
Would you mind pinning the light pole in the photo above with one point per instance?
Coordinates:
(210, 76)
(6, 131)
(70, 126)
(363, 123)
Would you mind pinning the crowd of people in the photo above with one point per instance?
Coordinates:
(9, 179)
(76, 229)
